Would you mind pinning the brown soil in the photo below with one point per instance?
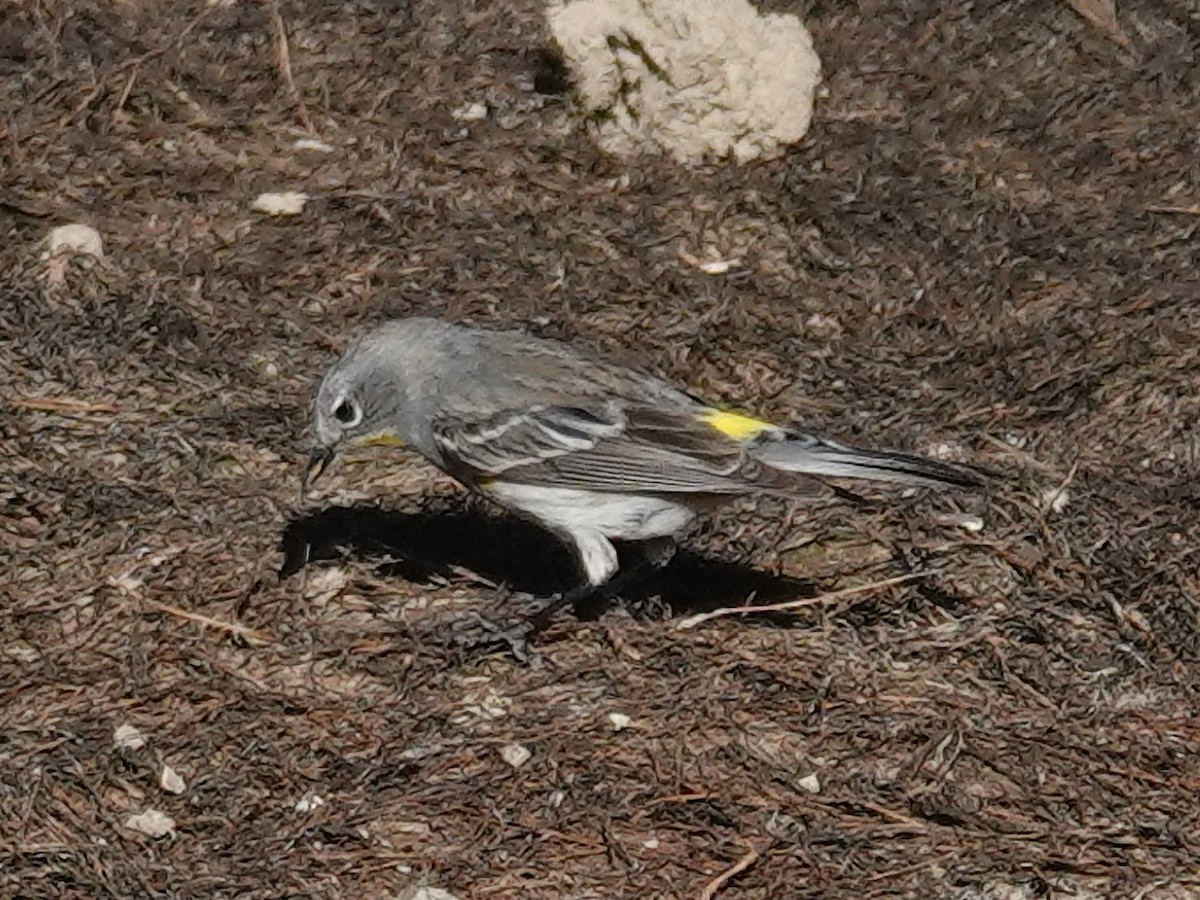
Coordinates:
(988, 245)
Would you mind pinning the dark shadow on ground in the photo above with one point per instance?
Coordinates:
(520, 556)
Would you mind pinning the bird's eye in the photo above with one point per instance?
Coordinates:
(347, 412)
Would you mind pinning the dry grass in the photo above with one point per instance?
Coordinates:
(981, 246)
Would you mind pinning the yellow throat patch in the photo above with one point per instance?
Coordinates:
(734, 425)
(379, 439)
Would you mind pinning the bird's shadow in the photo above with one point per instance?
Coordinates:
(522, 557)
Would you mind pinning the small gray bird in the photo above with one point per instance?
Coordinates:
(592, 451)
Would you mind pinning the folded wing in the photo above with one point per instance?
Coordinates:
(599, 448)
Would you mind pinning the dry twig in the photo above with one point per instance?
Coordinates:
(60, 405)
(821, 600)
(711, 889)
(1102, 14)
(1176, 210)
(284, 61)
(241, 630)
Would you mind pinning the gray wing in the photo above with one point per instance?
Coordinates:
(599, 448)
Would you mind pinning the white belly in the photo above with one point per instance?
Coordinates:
(623, 517)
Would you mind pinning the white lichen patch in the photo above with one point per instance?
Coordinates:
(696, 80)
(70, 242)
(83, 240)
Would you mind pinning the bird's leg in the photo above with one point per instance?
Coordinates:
(540, 619)
(655, 553)
(515, 638)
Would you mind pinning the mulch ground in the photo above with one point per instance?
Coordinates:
(986, 247)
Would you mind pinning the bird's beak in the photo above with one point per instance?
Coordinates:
(318, 460)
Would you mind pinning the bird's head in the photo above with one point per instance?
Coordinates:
(364, 398)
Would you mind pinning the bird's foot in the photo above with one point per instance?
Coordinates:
(516, 639)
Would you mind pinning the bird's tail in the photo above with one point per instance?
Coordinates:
(805, 454)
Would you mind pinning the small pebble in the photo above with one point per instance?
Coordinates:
(151, 822)
(309, 803)
(469, 112)
(172, 781)
(126, 737)
(287, 203)
(425, 892)
(1055, 500)
(313, 145)
(515, 755)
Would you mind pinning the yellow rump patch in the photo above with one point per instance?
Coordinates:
(379, 439)
(734, 425)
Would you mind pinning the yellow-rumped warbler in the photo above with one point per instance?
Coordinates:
(590, 450)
